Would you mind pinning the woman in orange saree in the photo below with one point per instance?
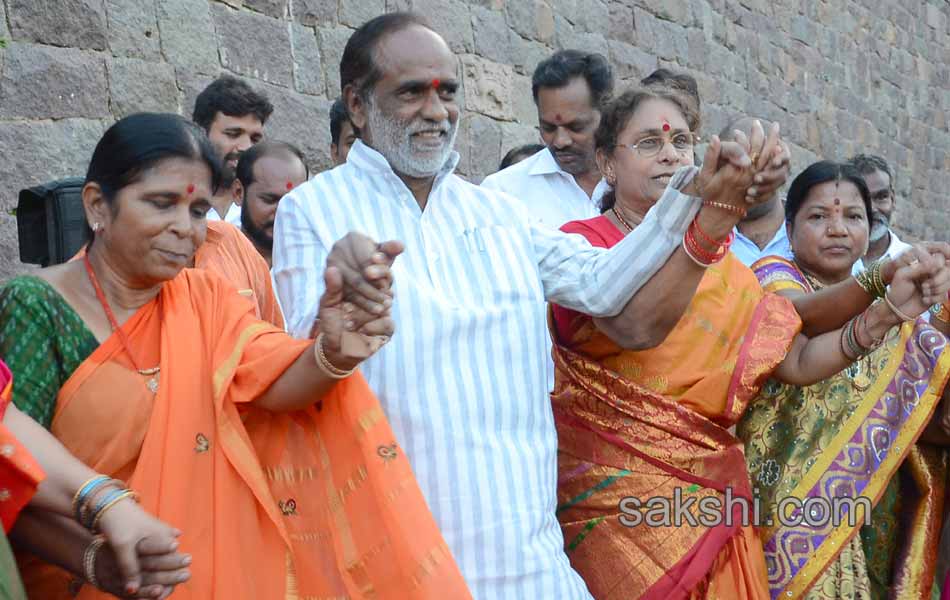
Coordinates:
(270, 455)
(637, 428)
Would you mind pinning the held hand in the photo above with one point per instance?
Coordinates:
(905, 293)
(162, 570)
(365, 267)
(927, 253)
(725, 175)
(350, 335)
(124, 526)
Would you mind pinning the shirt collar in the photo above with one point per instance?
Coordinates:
(368, 159)
(544, 164)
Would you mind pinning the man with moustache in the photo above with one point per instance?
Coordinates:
(461, 381)
(265, 174)
(883, 242)
(233, 115)
(562, 182)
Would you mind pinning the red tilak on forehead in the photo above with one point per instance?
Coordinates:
(837, 201)
(436, 82)
(290, 186)
(191, 188)
(557, 118)
(666, 126)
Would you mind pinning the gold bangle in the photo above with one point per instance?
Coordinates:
(942, 313)
(89, 559)
(897, 312)
(110, 504)
(738, 210)
(877, 280)
(325, 365)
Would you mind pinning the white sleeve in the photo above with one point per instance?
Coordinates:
(600, 282)
(299, 259)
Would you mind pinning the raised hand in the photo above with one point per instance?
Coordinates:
(905, 290)
(364, 267)
(351, 334)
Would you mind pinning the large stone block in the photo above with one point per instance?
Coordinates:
(332, 42)
(188, 39)
(677, 12)
(315, 12)
(593, 16)
(10, 265)
(191, 85)
(526, 54)
(484, 146)
(491, 34)
(451, 19)
(42, 82)
(39, 151)
(142, 86)
(516, 134)
(133, 29)
(354, 14)
(4, 31)
(630, 62)
(621, 26)
(308, 69)
(525, 110)
(487, 87)
(271, 8)
(254, 45)
(70, 23)
(303, 121)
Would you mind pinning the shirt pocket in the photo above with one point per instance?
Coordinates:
(492, 265)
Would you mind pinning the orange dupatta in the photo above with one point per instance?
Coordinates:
(329, 513)
(653, 424)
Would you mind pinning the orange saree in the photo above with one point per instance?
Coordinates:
(231, 255)
(315, 504)
(637, 429)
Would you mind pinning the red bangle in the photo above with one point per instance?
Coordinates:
(697, 251)
(708, 238)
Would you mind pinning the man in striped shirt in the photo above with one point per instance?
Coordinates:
(462, 381)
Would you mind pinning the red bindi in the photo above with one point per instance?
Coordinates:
(557, 118)
(436, 83)
(290, 186)
(837, 201)
(191, 188)
(666, 126)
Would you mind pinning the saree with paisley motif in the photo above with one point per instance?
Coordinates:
(654, 424)
(851, 437)
(319, 503)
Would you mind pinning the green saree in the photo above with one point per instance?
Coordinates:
(850, 443)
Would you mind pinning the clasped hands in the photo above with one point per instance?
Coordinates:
(354, 314)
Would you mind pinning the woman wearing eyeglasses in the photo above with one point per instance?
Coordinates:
(639, 420)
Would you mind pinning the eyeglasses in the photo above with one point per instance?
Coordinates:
(649, 147)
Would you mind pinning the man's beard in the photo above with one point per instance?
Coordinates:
(880, 226)
(258, 235)
(394, 140)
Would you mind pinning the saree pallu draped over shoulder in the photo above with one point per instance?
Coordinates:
(314, 504)
(639, 428)
(843, 445)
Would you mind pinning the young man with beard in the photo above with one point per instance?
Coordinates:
(265, 174)
(233, 115)
(562, 182)
(883, 242)
(461, 382)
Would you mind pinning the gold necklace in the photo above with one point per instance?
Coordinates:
(622, 220)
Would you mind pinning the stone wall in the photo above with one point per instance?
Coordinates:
(840, 76)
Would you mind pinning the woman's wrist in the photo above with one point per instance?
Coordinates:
(880, 319)
(716, 222)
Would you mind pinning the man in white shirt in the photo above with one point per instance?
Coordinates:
(562, 182)
(883, 242)
(233, 114)
(461, 381)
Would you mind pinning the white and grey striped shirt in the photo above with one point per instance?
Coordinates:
(462, 380)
